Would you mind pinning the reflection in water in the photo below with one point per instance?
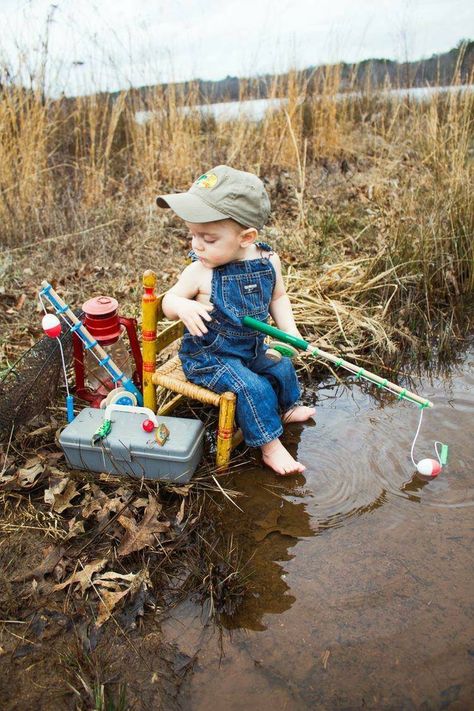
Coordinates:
(274, 519)
(362, 571)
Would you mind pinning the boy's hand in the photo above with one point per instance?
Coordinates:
(192, 313)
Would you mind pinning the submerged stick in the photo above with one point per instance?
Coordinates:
(402, 393)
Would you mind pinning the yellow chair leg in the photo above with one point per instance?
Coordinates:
(225, 429)
(149, 321)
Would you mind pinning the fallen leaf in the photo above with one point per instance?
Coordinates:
(40, 431)
(138, 536)
(181, 490)
(325, 658)
(109, 599)
(60, 569)
(180, 514)
(20, 303)
(75, 528)
(27, 475)
(60, 493)
(100, 505)
(112, 575)
(84, 576)
(140, 503)
(136, 608)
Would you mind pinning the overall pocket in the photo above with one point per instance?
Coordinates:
(248, 294)
(192, 346)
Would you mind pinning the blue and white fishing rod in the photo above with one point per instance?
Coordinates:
(90, 344)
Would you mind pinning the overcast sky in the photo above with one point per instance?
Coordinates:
(112, 44)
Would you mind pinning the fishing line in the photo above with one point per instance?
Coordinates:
(52, 328)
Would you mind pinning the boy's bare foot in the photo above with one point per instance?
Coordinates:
(300, 413)
(279, 459)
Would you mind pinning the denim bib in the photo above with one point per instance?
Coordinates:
(238, 289)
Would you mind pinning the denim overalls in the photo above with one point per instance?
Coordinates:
(232, 357)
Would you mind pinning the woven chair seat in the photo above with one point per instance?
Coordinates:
(170, 376)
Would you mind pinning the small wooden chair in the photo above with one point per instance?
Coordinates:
(170, 375)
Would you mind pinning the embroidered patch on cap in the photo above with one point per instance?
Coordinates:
(208, 180)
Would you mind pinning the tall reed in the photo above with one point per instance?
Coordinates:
(350, 174)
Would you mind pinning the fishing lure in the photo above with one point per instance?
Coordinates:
(102, 432)
(162, 433)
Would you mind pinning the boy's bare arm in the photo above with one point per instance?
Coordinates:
(280, 305)
(179, 302)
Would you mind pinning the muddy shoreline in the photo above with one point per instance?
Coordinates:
(347, 587)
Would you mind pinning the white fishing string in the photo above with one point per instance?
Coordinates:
(415, 438)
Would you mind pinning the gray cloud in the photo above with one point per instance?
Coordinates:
(123, 42)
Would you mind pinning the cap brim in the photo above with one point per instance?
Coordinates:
(190, 208)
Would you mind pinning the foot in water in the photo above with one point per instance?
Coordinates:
(300, 413)
(279, 459)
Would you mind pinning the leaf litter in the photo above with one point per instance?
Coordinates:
(89, 558)
(112, 536)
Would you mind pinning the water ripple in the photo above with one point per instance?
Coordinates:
(358, 456)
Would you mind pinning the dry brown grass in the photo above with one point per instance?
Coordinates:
(371, 198)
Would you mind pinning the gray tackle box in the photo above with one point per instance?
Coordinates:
(128, 449)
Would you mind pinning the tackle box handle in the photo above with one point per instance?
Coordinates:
(131, 409)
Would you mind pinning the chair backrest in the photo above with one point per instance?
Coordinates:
(153, 343)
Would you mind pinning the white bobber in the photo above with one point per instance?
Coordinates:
(428, 467)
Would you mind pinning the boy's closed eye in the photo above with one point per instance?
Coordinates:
(209, 239)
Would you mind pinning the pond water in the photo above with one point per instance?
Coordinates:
(255, 109)
(363, 577)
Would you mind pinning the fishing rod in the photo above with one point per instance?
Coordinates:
(427, 467)
(62, 309)
(300, 343)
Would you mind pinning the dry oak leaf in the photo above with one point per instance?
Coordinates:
(93, 500)
(75, 528)
(84, 576)
(60, 493)
(28, 474)
(109, 599)
(138, 536)
(100, 505)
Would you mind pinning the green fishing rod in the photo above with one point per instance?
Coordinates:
(427, 468)
(301, 344)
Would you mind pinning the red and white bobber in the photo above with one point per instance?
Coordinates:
(51, 325)
(428, 467)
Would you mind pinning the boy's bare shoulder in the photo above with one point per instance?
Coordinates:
(196, 273)
(275, 260)
(193, 270)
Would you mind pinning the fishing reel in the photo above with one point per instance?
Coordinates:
(277, 349)
(119, 396)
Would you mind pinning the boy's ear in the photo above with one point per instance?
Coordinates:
(248, 236)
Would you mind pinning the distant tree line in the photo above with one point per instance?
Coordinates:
(444, 69)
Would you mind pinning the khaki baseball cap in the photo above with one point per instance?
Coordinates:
(221, 193)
